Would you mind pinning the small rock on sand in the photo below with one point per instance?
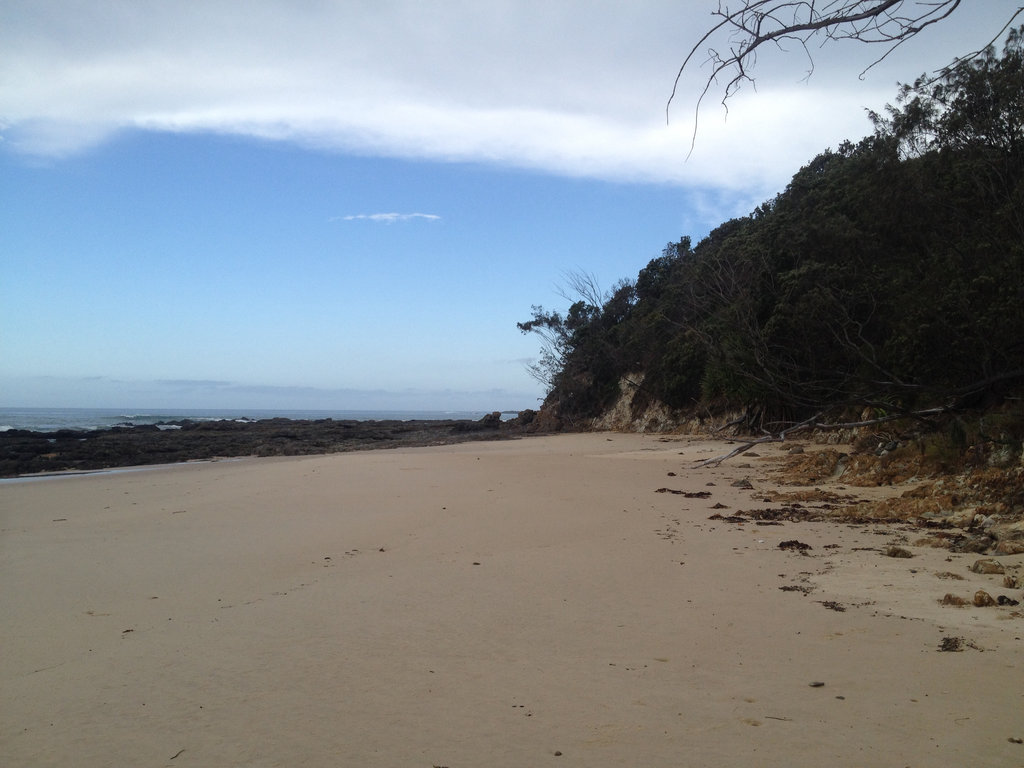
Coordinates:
(898, 552)
(983, 599)
(988, 565)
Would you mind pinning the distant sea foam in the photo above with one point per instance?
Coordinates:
(51, 419)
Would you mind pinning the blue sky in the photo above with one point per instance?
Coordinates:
(349, 205)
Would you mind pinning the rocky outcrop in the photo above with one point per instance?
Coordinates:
(977, 508)
(24, 452)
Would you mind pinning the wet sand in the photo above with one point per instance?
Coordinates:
(513, 603)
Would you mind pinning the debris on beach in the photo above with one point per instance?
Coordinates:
(951, 599)
(686, 494)
(951, 644)
(796, 588)
(898, 552)
(795, 545)
(729, 518)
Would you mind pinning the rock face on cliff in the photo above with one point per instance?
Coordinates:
(633, 413)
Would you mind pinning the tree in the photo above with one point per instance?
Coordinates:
(745, 27)
(561, 335)
(970, 104)
(887, 279)
(555, 345)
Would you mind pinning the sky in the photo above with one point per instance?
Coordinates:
(349, 204)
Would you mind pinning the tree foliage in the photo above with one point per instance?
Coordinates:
(889, 274)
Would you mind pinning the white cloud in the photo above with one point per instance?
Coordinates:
(573, 87)
(386, 218)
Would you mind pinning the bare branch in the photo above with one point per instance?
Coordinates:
(746, 26)
(581, 285)
(771, 438)
(814, 423)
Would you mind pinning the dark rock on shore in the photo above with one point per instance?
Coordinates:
(23, 452)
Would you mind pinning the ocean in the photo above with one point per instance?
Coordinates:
(51, 419)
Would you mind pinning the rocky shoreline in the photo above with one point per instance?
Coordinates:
(24, 452)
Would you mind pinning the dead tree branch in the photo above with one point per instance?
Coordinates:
(744, 28)
(815, 423)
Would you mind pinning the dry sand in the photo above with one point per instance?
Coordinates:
(522, 603)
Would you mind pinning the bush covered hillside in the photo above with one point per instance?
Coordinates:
(888, 275)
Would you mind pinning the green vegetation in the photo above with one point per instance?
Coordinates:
(887, 277)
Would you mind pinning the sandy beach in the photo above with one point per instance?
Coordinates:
(518, 603)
